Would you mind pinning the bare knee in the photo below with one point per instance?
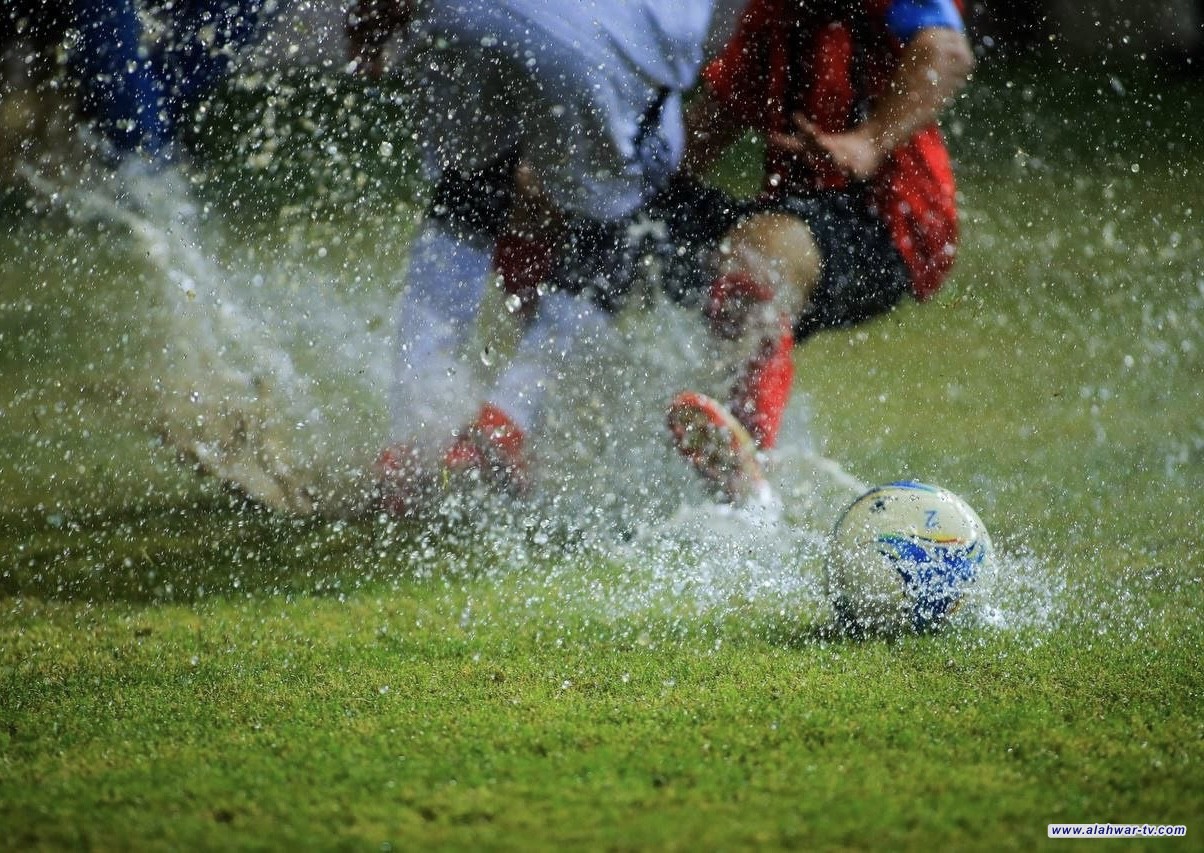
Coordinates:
(775, 249)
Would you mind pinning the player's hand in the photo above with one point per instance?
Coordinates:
(856, 153)
(370, 23)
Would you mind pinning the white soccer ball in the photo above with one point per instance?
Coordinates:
(902, 556)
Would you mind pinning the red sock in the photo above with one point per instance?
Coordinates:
(731, 299)
(761, 391)
(523, 263)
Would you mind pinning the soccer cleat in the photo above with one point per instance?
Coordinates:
(739, 306)
(491, 450)
(405, 488)
(717, 445)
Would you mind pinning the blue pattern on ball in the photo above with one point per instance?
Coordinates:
(934, 573)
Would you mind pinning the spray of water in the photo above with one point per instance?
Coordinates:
(262, 375)
(274, 380)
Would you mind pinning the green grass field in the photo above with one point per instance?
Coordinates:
(180, 670)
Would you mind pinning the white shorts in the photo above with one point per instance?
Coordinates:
(589, 97)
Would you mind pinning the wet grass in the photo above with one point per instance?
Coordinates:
(179, 669)
(383, 719)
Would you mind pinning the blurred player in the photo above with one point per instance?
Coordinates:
(141, 90)
(858, 206)
(588, 97)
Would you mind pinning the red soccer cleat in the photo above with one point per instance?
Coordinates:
(717, 445)
(492, 450)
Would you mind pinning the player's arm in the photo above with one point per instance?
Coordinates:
(935, 66)
(369, 24)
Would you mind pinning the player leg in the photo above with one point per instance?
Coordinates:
(800, 266)
(120, 87)
(493, 447)
(768, 269)
(207, 36)
(445, 422)
(436, 389)
(766, 277)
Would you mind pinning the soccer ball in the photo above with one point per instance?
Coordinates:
(902, 557)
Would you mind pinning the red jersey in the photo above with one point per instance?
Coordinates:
(829, 62)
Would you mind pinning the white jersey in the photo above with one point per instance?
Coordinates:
(587, 91)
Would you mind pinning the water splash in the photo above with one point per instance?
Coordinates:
(263, 375)
(270, 376)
